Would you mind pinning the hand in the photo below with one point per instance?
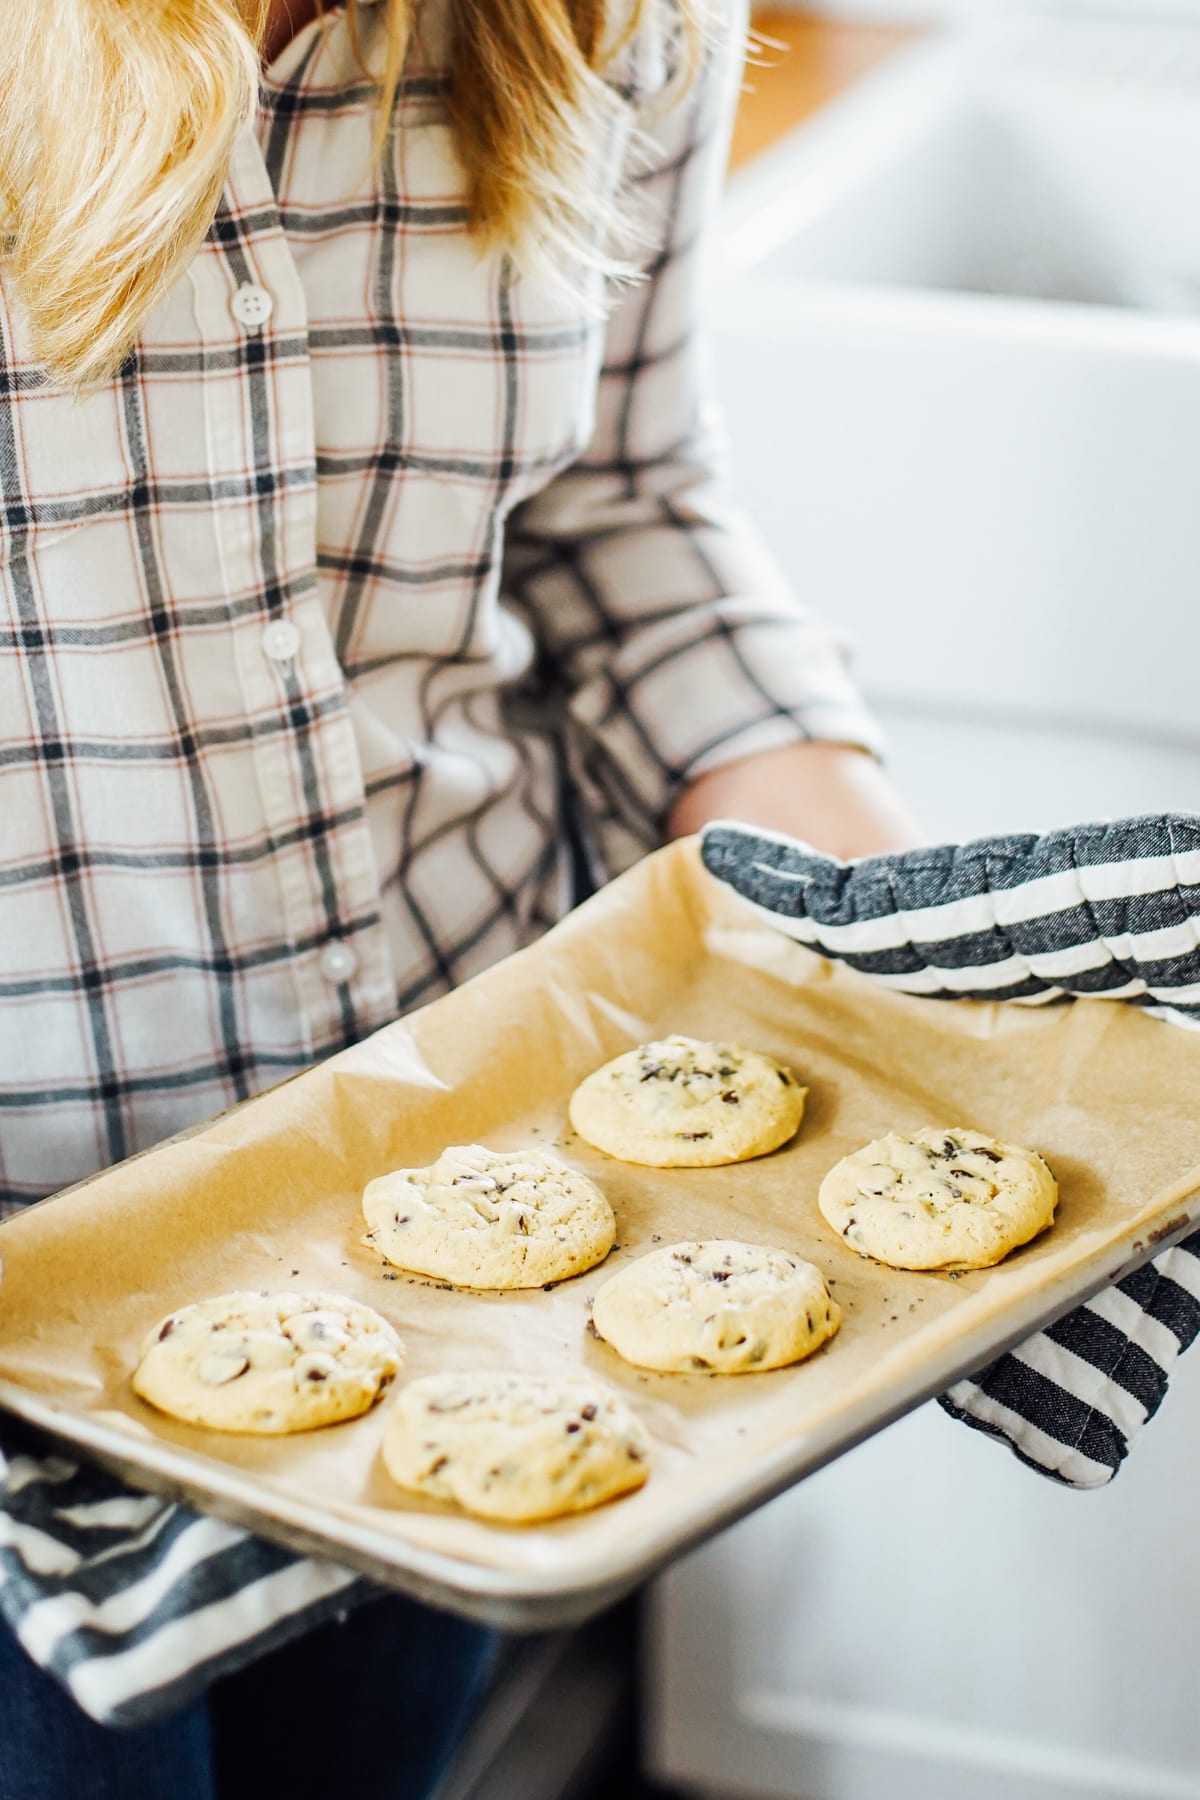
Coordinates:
(1011, 918)
(837, 798)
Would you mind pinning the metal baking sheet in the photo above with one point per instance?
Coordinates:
(268, 1196)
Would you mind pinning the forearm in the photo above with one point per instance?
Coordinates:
(834, 796)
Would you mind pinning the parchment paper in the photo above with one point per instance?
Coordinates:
(268, 1196)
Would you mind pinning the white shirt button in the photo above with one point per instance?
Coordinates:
(338, 961)
(281, 640)
(252, 306)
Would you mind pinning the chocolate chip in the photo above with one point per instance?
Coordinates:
(784, 1077)
(730, 1098)
(573, 1425)
(721, 1274)
(992, 1155)
(167, 1329)
(315, 1375)
(216, 1370)
(693, 1136)
(698, 1362)
(588, 1411)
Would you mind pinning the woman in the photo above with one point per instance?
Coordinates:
(361, 542)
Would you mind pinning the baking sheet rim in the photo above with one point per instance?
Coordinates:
(533, 1599)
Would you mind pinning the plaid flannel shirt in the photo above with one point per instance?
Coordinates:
(302, 610)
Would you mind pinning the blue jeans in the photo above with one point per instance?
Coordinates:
(371, 1708)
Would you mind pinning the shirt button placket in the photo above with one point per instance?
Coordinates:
(287, 662)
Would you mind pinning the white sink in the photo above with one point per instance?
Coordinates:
(957, 336)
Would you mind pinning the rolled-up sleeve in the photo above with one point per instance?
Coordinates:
(675, 638)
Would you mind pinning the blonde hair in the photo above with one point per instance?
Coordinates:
(117, 118)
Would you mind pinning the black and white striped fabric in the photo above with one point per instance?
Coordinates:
(1106, 910)
(1109, 910)
(136, 1603)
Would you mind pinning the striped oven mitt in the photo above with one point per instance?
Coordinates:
(1110, 911)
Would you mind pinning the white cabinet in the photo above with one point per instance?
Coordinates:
(928, 1620)
(993, 483)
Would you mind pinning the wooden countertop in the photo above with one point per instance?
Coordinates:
(805, 61)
